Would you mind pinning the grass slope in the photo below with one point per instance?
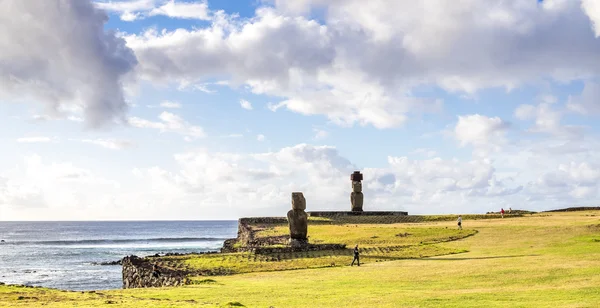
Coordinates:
(378, 243)
(542, 260)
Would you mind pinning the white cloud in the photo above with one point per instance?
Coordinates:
(136, 9)
(592, 10)
(359, 65)
(461, 47)
(547, 119)
(245, 104)
(127, 16)
(479, 130)
(171, 105)
(35, 139)
(202, 87)
(170, 123)
(112, 144)
(184, 10)
(126, 6)
(226, 183)
(52, 190)
(267, 179)
(19, 194)
(53, 66)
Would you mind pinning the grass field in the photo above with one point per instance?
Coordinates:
(541, 260)
(378, 243)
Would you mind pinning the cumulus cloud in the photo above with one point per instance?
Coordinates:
(260, 137)
(592, 10)
(547, 119)
(576, 180)
(170, 122)
(267, 179)
(459, 47)
(54, 58)
(477, 129)
(230, 184)
(245, 104)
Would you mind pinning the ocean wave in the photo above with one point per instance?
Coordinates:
(118, 241)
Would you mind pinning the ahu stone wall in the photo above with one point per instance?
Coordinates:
(141, 273)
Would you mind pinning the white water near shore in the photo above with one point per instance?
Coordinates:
(64, 255)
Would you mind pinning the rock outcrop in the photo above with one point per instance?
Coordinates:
(141, 273)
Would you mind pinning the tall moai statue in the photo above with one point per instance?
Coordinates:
(298, 220)
(356, 197)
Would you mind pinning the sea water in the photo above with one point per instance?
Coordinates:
(65, 255)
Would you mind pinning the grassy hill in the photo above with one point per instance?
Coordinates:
(539, 260)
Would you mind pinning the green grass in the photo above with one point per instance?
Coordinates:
(548, 260)
(370, 235)
(378, 243)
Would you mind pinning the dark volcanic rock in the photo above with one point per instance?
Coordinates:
(141, 273)
(118, 262)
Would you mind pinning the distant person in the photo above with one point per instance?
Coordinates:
(502, 212)
(155, 271)
(459, 220)
(509, 210)
(356, 257)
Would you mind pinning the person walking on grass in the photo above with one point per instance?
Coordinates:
(356, 257)
(459, 220)
(502, 212)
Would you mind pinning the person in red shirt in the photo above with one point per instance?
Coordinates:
(502, 212)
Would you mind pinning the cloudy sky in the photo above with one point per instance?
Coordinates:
(163, 109)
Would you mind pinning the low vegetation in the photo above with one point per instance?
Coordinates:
(539, 260)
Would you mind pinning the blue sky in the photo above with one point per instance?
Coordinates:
(156, 109)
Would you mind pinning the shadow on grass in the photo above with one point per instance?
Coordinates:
(475, 258)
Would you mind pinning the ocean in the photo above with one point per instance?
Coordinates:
(65, 255)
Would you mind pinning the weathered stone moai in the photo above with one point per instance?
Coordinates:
(298, 220)
(356, 197)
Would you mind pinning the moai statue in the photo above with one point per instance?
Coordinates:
(298, 220)
(356, 197)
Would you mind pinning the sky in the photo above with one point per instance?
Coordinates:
(173, 109)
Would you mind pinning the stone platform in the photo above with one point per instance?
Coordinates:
(351, 213)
